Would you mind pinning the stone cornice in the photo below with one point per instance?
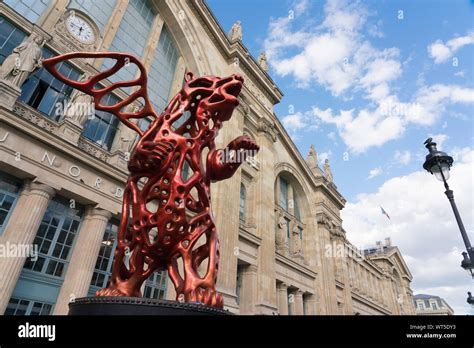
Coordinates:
(250, 237)
(48, 137)
(371, 304)
(7, 12)
(236, 49)
(295, 266)
(395, 257)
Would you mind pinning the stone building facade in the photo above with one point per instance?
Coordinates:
(431, 305)
(283, 249)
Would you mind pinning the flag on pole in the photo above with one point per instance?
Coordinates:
(384, 212)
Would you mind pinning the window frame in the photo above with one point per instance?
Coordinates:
(5, 176)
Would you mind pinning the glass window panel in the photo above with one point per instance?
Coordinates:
(43, 92)
(54, 253)
(131, 37)
(103, 265)
(283, 194)
(103, 127)
(162, 70)
(242, 202)
(30, 9)
(297, 209)
(59, 269)
(9, 190)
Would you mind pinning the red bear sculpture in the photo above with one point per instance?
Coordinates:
(166, 212)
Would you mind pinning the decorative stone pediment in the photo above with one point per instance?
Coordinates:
(334, 229)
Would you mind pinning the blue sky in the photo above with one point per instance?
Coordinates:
(369, 82)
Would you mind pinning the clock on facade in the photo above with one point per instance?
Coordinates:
(80, 29)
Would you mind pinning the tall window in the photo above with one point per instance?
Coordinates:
(9, 188)
(155, 286)
(238, 283)
(131, 37)
(55, 238)
(103, 265)
(30, 9)
(243, 197)
(103, 126)
(99, 11)
(10, 37)
(283, 194)
(162, 70)
(45, 93)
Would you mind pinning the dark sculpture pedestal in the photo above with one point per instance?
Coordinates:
(116, 305)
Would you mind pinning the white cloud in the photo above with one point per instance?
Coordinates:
(332, 136)
(323, 156)
(375, 172)
(300, 121)
(388, 121)
(422, 225)
(333, 54)
(337, 56)
(294, 121)
(365, 130)
(441, 51)
(402, 158)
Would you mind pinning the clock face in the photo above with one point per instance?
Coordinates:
(80, 29)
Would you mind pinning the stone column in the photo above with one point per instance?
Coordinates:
(84, 256)
(21, 230)
(248, 289)
(363, 280)
(152, 42)
(265, 217)
(327, 272)
(111, 30)
(178, 77)
(283, 299)
(147, 59)
(346, 279)
(299, 302)
(51, 16)
(8, 94)
(225, 204)
(311, 305)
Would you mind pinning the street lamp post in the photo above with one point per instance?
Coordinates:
(439, 163)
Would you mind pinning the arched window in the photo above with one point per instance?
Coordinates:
(243, 197)
(289, 220)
